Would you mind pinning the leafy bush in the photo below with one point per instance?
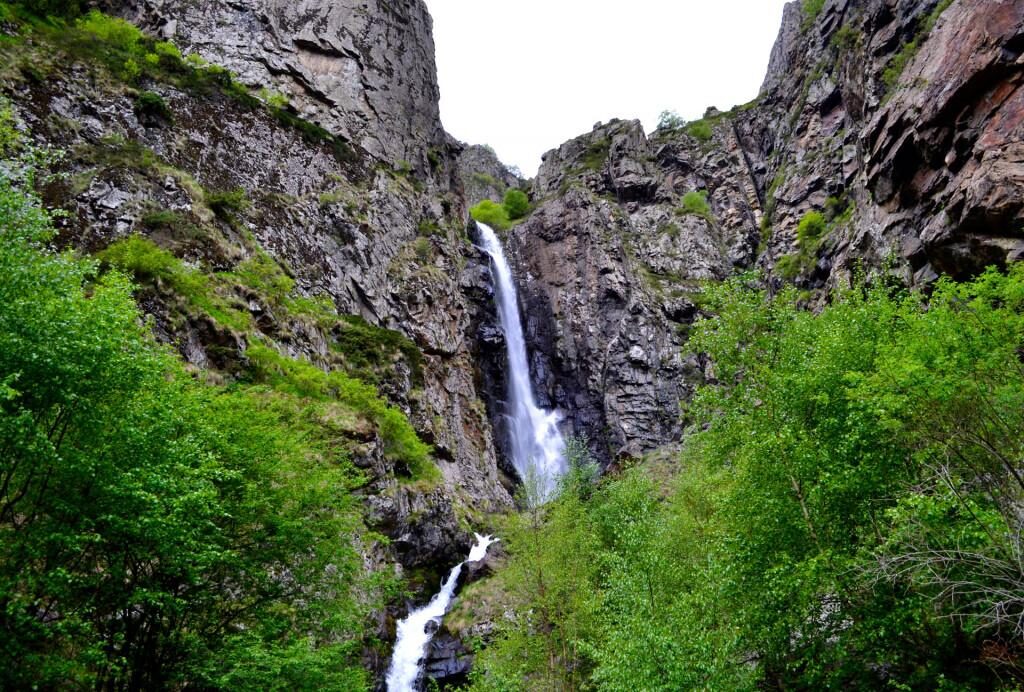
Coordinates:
(226, 203)
(670, 120)
(696, 202)
(300, 378)
(811, 229)
(492, 214)
(517, 204)
(699, 130)
(834, 510)
(811, 9)
(142, 258)
(136, 500)
(152, 104)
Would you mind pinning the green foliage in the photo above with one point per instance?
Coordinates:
(145, 520)
(699, 130)
(142, 258)
(596, 154)
(370, 351)
(492, 214)
(811, 229)
(68, 9)
(516, 203)
(696, 202)
(10, 138)
(845, 514)
(811, 9)
(152, 104)
(227, 203)
(894, 70)
(789, 266)
(847, 38)
(300, 378)
(670, 120)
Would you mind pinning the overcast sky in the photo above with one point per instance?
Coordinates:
(525, 76)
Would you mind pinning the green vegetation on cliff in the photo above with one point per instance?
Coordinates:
(845, 514)
(156, 532)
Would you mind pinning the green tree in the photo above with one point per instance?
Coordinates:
(516, 204)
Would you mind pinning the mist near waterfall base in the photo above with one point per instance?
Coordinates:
(528, 77)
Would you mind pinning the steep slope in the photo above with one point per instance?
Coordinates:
(340, 244)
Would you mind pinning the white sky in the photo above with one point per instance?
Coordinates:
(527, 75)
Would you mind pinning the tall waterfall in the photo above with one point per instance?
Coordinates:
(413, 635)
(538, 449)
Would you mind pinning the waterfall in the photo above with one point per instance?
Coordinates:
(413, 636)
(538, 450)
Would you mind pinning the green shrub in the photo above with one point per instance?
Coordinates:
(424, 250)
(225, 204)
(265, 276)
(139, 256)
(699, 130)
(847, 38)
(152, 104)
(789, 266)
(596, 154)
(696, 202)
(130, 487)
(427, 228)
(401, 443)
(670, 120)
(811, 9)
(516, 204)
(371, 351)
(10, 137)
(492, 214)
(114, 32)
(811, 229)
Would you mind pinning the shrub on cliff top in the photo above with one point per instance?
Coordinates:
(492, 214)
(516, 204)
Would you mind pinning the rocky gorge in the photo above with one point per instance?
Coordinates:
(304, 140)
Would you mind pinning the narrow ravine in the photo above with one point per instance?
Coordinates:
(414, 632)
(537, 445)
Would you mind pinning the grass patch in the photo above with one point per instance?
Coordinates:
(696, 203)
(811, 10)
(699, 130)
(299, 377)
(370, 352)
(142, 258)
(596, 154)
(894, 70)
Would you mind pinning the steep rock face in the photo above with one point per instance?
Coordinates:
(910, 112)
(361, 69)
(483, 176)
(369, 240)
(900, 121)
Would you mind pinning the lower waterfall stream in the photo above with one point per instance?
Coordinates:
(412, 634)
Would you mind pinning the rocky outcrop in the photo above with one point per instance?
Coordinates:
(483, 175)
(363, 70)
(900, 121)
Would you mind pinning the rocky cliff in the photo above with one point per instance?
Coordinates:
(362, 70)
(887, 134)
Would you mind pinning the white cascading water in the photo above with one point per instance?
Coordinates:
(538, 449)
(413, 636)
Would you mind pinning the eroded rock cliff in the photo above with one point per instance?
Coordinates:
(898, 121)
